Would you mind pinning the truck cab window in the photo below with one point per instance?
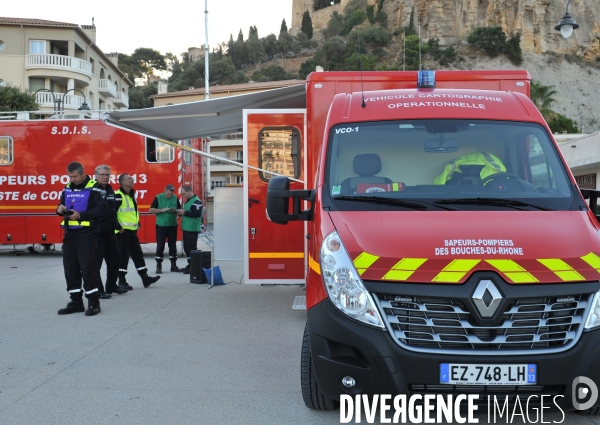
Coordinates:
(6, 150)
(158, 152)
(279, 152)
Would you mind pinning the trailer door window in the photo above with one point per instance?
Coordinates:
(158, 152)
(6, 150)
(279, 152)
(187, 155)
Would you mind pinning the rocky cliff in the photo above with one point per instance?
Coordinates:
(452, 20)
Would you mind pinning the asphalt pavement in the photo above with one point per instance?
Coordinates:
(173, 353)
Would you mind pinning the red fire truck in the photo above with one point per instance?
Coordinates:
(447, 247)
(34, 154)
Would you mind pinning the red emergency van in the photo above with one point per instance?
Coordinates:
(447, 245)
(34, 154)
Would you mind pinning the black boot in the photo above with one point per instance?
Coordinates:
(186, 269)
(158, 267)
(123, 283)
(148, 280)
(117, 290)
(74, 306)
(174, 267)
(93, 307)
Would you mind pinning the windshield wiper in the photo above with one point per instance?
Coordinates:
(510, 203)
(412, 204)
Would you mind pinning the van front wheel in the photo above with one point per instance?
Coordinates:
(313, 398)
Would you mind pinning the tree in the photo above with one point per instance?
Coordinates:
(513, 49)
(139, 96)
(255, 49)
(353, 19)
(131, 68)
(271, 73)
(307, 26)
(283, 28)
(335, 26)
(270, 44)
(542, 97)
(14, 99)
(148, 60)
(410, 28)
(412, 51)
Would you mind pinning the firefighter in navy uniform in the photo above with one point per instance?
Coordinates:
(108, 246)
(82, 204)
(128, 221)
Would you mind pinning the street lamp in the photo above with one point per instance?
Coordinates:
(58, 101)
(567, 24)
(53, 97)
(84, 106)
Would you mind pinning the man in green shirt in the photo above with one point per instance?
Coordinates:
(165, 206)
(191, 222)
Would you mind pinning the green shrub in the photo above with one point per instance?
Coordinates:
(513, 49)
(491, 39)
(562, 123)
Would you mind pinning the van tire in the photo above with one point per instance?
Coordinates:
(592, 411)
(313, 398)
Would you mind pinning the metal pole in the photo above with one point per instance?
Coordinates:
(419, 44)
(404, 53)
(206, 68)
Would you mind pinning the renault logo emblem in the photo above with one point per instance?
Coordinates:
(487, 298)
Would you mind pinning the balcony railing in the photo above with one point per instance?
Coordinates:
(65, 63)
(121, 99)
(70, 101)
(107, 88)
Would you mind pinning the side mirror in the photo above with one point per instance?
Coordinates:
(278, 197)
(593, 196)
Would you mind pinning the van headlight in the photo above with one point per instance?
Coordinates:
(593, 319)
(343, 283)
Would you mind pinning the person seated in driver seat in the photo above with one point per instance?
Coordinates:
(470, 169)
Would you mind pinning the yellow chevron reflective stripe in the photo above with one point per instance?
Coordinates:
(364, 261)
(455, 271)
(404, 268)
(593, 260)
(314, 265)
(513, 271)
(561, 269)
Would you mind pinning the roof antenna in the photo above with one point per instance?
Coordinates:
(362, 84)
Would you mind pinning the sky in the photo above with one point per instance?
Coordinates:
(123, 26)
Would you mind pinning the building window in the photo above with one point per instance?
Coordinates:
(6, 150)
(239, 179)
(239, 156)
(36, 84)
(159, 152)
(37, 47)
(220, 154)
(279, 152)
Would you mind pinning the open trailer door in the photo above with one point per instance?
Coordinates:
(274, 142)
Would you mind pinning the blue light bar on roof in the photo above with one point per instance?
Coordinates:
(426, 80)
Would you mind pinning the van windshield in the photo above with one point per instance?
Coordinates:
(445, 165)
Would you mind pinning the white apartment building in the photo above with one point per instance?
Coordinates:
(63, 62)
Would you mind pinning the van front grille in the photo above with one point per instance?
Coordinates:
(430, 324)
